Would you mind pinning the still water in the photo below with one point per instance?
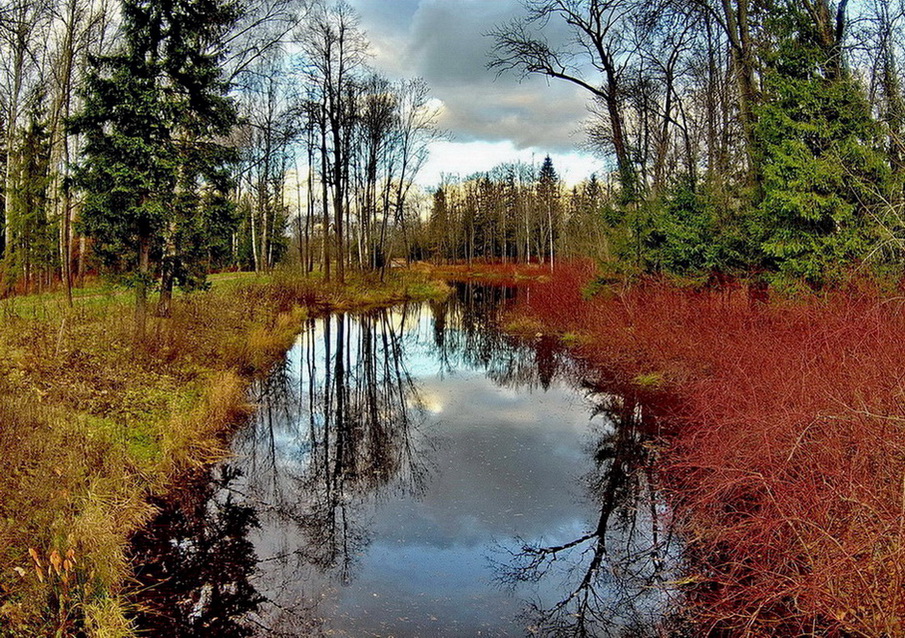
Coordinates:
(414, 472)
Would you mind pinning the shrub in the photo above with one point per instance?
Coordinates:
(786, 451)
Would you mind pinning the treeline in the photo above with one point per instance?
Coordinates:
(515, 213)
(325, 131)
(744, 136)
(162, 139)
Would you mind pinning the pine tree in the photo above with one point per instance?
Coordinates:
(127, 168)
(30, 257)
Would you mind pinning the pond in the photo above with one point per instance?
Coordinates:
(415, 472)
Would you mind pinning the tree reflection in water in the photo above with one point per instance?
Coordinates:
(338, 436)
(476, 339)
(323, 453)
(195, 563)
(616, 577)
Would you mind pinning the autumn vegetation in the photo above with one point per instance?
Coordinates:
(782, 431)
(747, 250)
(96, 421)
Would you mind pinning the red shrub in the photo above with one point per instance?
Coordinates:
(787, 462)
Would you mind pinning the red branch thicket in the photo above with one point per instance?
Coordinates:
(786, 458)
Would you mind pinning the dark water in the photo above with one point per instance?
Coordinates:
(416, 473)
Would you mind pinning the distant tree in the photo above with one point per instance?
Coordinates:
(31, 253)
(548, 194)
(439, 225)
(24, 28)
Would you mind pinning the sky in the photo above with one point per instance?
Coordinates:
(489, 119)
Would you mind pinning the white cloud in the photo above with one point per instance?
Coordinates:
(464, 158)
(445, 42)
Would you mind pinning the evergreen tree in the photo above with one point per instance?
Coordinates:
(151, 162)
(691, 238)
(439, 225)
(823, 169)
(31, 253)
(548, 192)
(202, 218)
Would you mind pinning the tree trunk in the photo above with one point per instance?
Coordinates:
(325, 196)
(738, 32)
(167, 267)
(141, 287)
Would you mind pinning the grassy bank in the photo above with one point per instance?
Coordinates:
(786, 457)
(95, 420)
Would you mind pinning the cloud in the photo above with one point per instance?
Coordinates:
(445, 43)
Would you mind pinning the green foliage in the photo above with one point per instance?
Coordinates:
(128, 166)
(31, 230)
(823, 170)
(153, 173)
(690, 236)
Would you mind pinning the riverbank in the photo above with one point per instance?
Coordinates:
(511, 274)
(96, 421)
(785, 456)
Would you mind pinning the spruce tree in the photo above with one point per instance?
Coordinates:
(823, 169)
(548, 190)
(202, 217)
(152, 169)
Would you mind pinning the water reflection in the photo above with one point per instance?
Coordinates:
(393, 458)
(335, 435)
(616, 575)
(195, 563)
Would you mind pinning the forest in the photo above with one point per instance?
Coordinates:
(199, 195)
(158, 141)
(761, 140)
(750, 139)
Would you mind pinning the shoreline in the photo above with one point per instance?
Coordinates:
(111, 422)
(781, 431)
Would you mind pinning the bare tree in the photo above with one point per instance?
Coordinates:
(594, 58)
(336, 49)
(22, 32)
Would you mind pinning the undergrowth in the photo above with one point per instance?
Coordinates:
(785, 460)
(94, 421)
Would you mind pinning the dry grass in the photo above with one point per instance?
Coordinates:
(93, 421)
(787, 453)
(504, 274)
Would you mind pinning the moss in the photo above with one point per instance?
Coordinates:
(138, 439)
(574, 339)
(649, 380)
(522, 325)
